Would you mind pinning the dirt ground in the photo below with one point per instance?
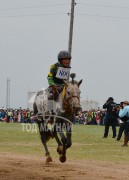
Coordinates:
(15, 167)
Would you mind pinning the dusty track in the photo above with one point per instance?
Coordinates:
(17, 167)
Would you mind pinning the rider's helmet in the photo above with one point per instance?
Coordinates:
(64, 55)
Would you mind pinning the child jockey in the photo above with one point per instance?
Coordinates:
(58, 73)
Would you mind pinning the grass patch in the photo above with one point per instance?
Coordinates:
(87, 144)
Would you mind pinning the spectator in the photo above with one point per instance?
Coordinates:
(9, 114)
(124, 113)
(111, 117)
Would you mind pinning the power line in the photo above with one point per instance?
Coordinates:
(96, 15)
(101, 5)
(54, 14)
(29, 15)
(52, 5)
(29, 7)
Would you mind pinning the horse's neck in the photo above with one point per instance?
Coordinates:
(65, 105)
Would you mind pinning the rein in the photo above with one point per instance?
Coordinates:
(73, 97)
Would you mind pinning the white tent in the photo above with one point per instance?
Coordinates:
(31, 98)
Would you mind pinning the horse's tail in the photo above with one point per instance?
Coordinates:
(35, 108)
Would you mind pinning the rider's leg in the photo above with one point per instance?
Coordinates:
(126, 137)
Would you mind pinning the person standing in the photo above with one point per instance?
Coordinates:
(124, 113)
(123, 119)
(111, 117)
(9, 114)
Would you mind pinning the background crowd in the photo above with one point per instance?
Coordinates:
(16, 115)
(92, 117)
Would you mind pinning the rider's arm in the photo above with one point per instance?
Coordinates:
(51, 74)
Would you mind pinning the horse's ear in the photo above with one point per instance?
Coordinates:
(79, 83)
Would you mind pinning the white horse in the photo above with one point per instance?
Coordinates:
(60, 114)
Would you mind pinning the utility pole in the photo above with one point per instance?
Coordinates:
(71, 25)
(71, 28)
(8, 94)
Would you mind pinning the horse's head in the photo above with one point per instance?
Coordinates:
(71, 93)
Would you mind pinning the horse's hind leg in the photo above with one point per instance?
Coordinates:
(44, 142)
(69, 141)
(48, 159)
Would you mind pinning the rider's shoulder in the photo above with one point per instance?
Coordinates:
(56, 65)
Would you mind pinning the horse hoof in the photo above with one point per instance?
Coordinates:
(49, 159)
(62, 159)
(60, 150)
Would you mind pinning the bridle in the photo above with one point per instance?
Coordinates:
(71, 98)
(66, 103)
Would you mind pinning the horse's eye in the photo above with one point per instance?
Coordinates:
(78, 92)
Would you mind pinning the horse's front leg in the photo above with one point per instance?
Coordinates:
(60, 145)
(62, 149)
(67, 142)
